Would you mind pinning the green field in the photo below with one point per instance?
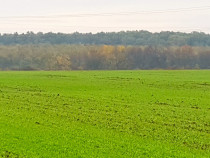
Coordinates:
(105, 114)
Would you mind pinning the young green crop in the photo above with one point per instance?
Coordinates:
(105, 114)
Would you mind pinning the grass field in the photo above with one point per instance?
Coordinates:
(105, 114)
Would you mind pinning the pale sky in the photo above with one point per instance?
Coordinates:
(69, 16)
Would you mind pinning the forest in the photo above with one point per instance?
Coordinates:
(104, 51)
(135, 38)
(102, 57)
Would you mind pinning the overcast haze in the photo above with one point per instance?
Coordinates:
(104, 15)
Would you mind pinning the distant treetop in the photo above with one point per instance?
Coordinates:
(142, 37)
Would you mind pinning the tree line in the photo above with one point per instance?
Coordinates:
(102, 57)
(143, 38)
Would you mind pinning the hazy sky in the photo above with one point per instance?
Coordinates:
(104, 15)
